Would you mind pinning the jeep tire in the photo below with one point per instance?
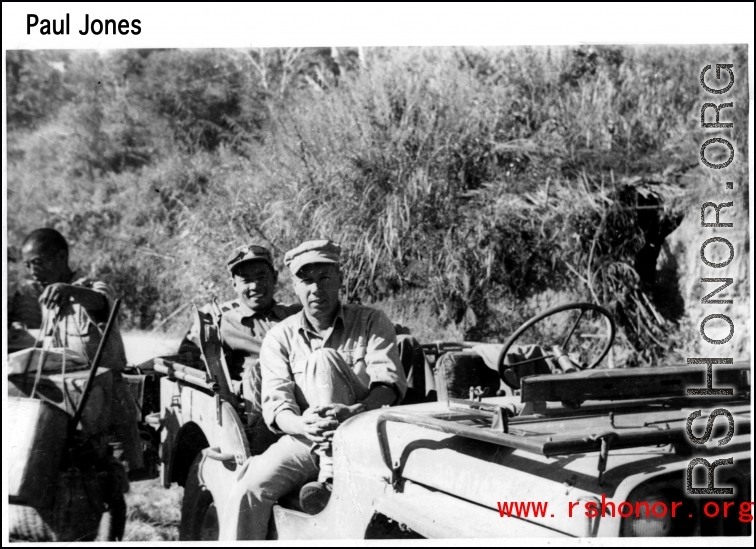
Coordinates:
(199, 517)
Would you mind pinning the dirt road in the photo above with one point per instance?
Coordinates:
(141, 346)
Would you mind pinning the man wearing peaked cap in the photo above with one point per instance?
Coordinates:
(320, 367)
(314, 251)
(244, 322)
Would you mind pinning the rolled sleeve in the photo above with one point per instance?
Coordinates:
(99, 315)
(382, 358)
(277, 380)
(102, 288)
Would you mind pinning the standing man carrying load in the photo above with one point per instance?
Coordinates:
(244, 321)
(319, 368)
(73, 311)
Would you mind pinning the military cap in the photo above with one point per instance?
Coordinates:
(253, 252)
(312, 251)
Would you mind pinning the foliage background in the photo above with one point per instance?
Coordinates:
(469, 187)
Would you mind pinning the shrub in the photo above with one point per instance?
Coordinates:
(465, 185)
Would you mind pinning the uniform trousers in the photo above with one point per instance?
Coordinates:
(292, 460)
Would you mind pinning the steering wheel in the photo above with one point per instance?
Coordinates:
(611, 331)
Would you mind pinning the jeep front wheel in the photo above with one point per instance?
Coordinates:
(199, 516)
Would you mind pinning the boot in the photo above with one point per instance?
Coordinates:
(314, 496)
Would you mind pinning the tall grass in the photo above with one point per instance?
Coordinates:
(154, 513)
(462, 183)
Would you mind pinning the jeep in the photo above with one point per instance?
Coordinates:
(542, 445)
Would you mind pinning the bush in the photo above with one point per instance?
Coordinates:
(461, 183)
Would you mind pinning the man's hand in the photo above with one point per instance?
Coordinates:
(379, 396)
(311, 424)
(318, 423)
(55, 295)
(341, 412)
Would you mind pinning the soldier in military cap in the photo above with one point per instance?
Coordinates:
(320, 367)
(244, 322)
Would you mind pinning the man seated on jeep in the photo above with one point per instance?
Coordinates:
(319, 368)
(73, 311)
(244, 321)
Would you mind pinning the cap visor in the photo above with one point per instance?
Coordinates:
(308, 258)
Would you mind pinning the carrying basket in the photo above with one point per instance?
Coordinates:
(75, 515)
(35, 448)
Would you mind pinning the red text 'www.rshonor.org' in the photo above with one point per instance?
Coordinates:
(624, 509)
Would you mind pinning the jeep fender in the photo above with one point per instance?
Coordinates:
(739, 471)
(193, 421)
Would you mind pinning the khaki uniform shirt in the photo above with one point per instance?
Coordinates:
(363, 336)
(71, 326)
(241, 332)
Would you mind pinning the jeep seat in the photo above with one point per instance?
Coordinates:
(416, 369)
(457, 371)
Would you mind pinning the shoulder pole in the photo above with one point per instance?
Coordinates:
(95, 364)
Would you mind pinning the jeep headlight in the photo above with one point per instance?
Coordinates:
(658, 510)
(651, 517)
